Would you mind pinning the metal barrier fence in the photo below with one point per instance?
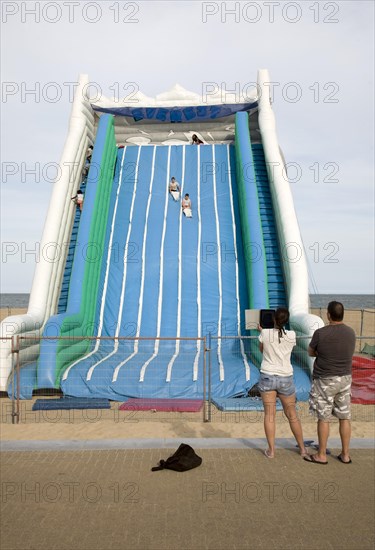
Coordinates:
(158, 359)
(160, 349)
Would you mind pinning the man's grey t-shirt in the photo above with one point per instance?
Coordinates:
(335, 346)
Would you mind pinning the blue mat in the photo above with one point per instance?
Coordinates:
(241, 404)
(71, 403)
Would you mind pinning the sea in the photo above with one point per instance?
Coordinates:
(350, 301)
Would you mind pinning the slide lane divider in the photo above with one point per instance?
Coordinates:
(140, 302)
(97, 342)
(246, 364)
(92, 368)
(220, 275)
(179, 297)
(199, 298)
(161, 274)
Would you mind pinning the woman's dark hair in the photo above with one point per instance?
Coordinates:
(281, 318)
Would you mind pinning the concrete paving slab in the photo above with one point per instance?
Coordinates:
(237, 499)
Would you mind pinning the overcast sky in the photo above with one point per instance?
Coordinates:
(324, 120)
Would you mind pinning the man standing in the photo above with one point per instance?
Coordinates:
(333, 347)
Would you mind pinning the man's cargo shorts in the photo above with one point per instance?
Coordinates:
(331, 396)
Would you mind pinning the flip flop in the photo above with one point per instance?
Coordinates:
(312, 459)
(328, 452)
(339, 457)
(266, 454)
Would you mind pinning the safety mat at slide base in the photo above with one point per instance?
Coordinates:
(363, 388)
(180, 405)
(241, 404)
(361, 362)
(363, 383)
(71, 403)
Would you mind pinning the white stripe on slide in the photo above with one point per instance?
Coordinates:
(161, 274)
(179, 295)
(246, 364)
(118, 326)
(199, 303)
(140, 302)
(109, 253)
(220, 274)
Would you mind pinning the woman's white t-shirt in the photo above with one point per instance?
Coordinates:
(276, 356)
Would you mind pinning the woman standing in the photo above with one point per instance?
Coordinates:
(276, 379)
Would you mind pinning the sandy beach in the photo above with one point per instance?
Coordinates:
(7, 311)
(115, 424)
(361, 321)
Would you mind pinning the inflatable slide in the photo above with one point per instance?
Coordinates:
(138, 284)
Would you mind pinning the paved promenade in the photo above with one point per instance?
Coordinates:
(83, 481)
(237, 499)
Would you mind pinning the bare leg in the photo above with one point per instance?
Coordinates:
(323, 434)
(345, 433)
(289, 406)
(269, 403)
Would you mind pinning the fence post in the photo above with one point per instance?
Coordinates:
(204, 380)
(18, 379)
(361, 330)
(15, 379)
(209, 377)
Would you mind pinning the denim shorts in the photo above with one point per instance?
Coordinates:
(283, 385)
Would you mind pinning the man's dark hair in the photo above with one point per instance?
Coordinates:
(336, 311)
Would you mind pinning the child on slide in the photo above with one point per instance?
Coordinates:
(186, 206)
(174, 189)
(78, 199)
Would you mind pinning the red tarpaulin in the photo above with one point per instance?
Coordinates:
(363, 385)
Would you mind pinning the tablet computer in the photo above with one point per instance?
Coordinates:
(266, 317)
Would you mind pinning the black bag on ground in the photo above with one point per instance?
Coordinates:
(185, 458)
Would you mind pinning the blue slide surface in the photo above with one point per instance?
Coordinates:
(166, 275)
